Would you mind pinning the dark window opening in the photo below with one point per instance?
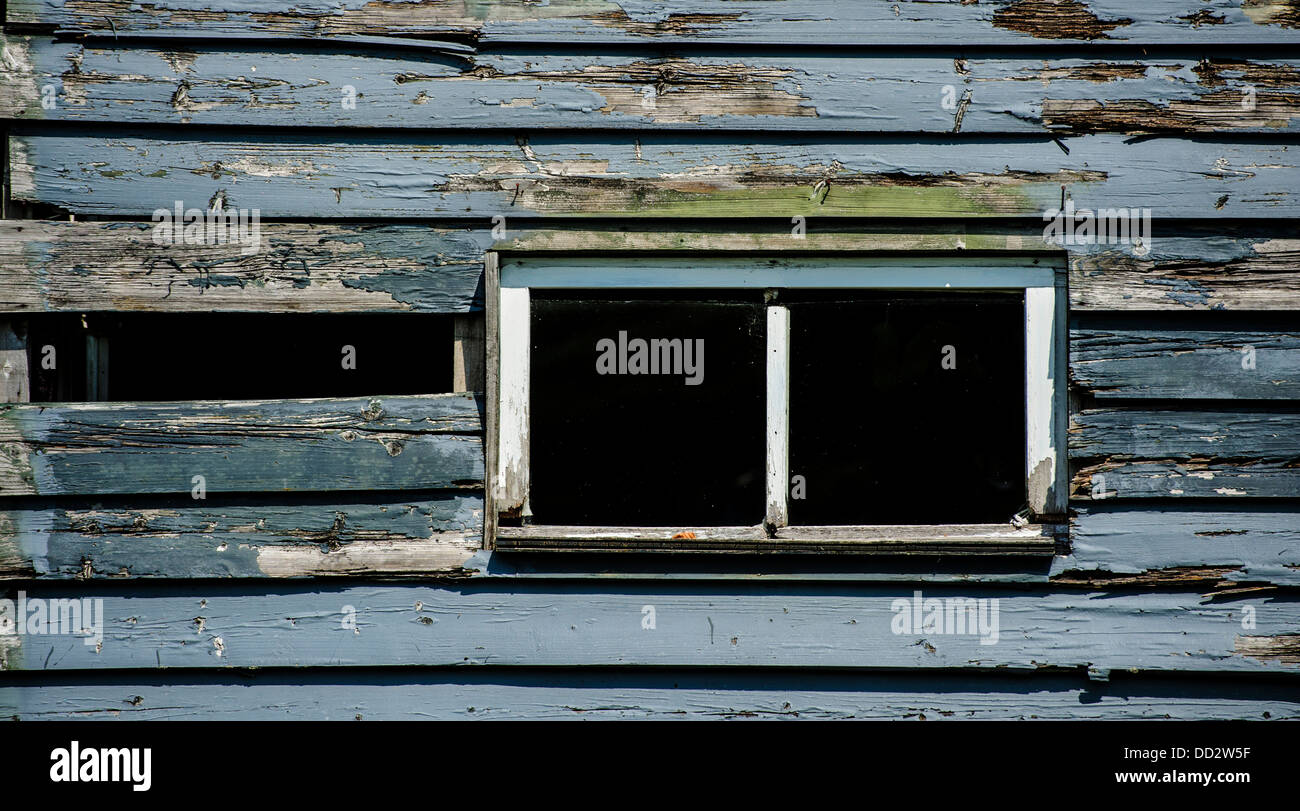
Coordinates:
(623, 434)
(217, 356)
(907, 408)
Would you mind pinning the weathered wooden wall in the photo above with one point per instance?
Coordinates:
(595, 125)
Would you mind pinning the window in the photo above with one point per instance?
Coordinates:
(812, 404)
(165, 357)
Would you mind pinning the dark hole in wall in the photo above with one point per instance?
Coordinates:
(882, 432)
(622, 449)
(218, 356)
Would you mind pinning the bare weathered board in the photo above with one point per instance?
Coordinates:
(469, 354)
(326, 267)
(353, 85)
(1189, 270)
(378, 443)
(652, 174)
(812, 22)
(406, 533)
(341, 267)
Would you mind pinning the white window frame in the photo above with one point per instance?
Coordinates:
(511, 280)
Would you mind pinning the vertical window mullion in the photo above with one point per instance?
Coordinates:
(1040, 398)
(512, 468)
(778, 415)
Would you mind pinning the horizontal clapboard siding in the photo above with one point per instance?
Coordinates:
(814, 22)
(1173, 543)
(1186, 272)
(596, 126)
(439, 534)
(577, 175)
(1146, 453)
(718, 625)
(406, 533)
(484, 694)
(339, 268)
(159, 83)
(1146, 361)
(377, 443)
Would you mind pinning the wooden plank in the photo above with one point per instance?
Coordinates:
(431, 533)
(1142, 360)
(481, 693)
(1174, 544)
(75, 267)
(951, 271)
(1140, 453)
(196, 83)
(634, 539)
(1206, 271)
(15, 384)
(767, 237)
(969, 540)
(468, 356)
(653, 174)
(436, 533)
(964, 540)
(812, 22)
(410, 442)
(1221, 268)
(736, 625)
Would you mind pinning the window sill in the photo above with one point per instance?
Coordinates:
(965, 539)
